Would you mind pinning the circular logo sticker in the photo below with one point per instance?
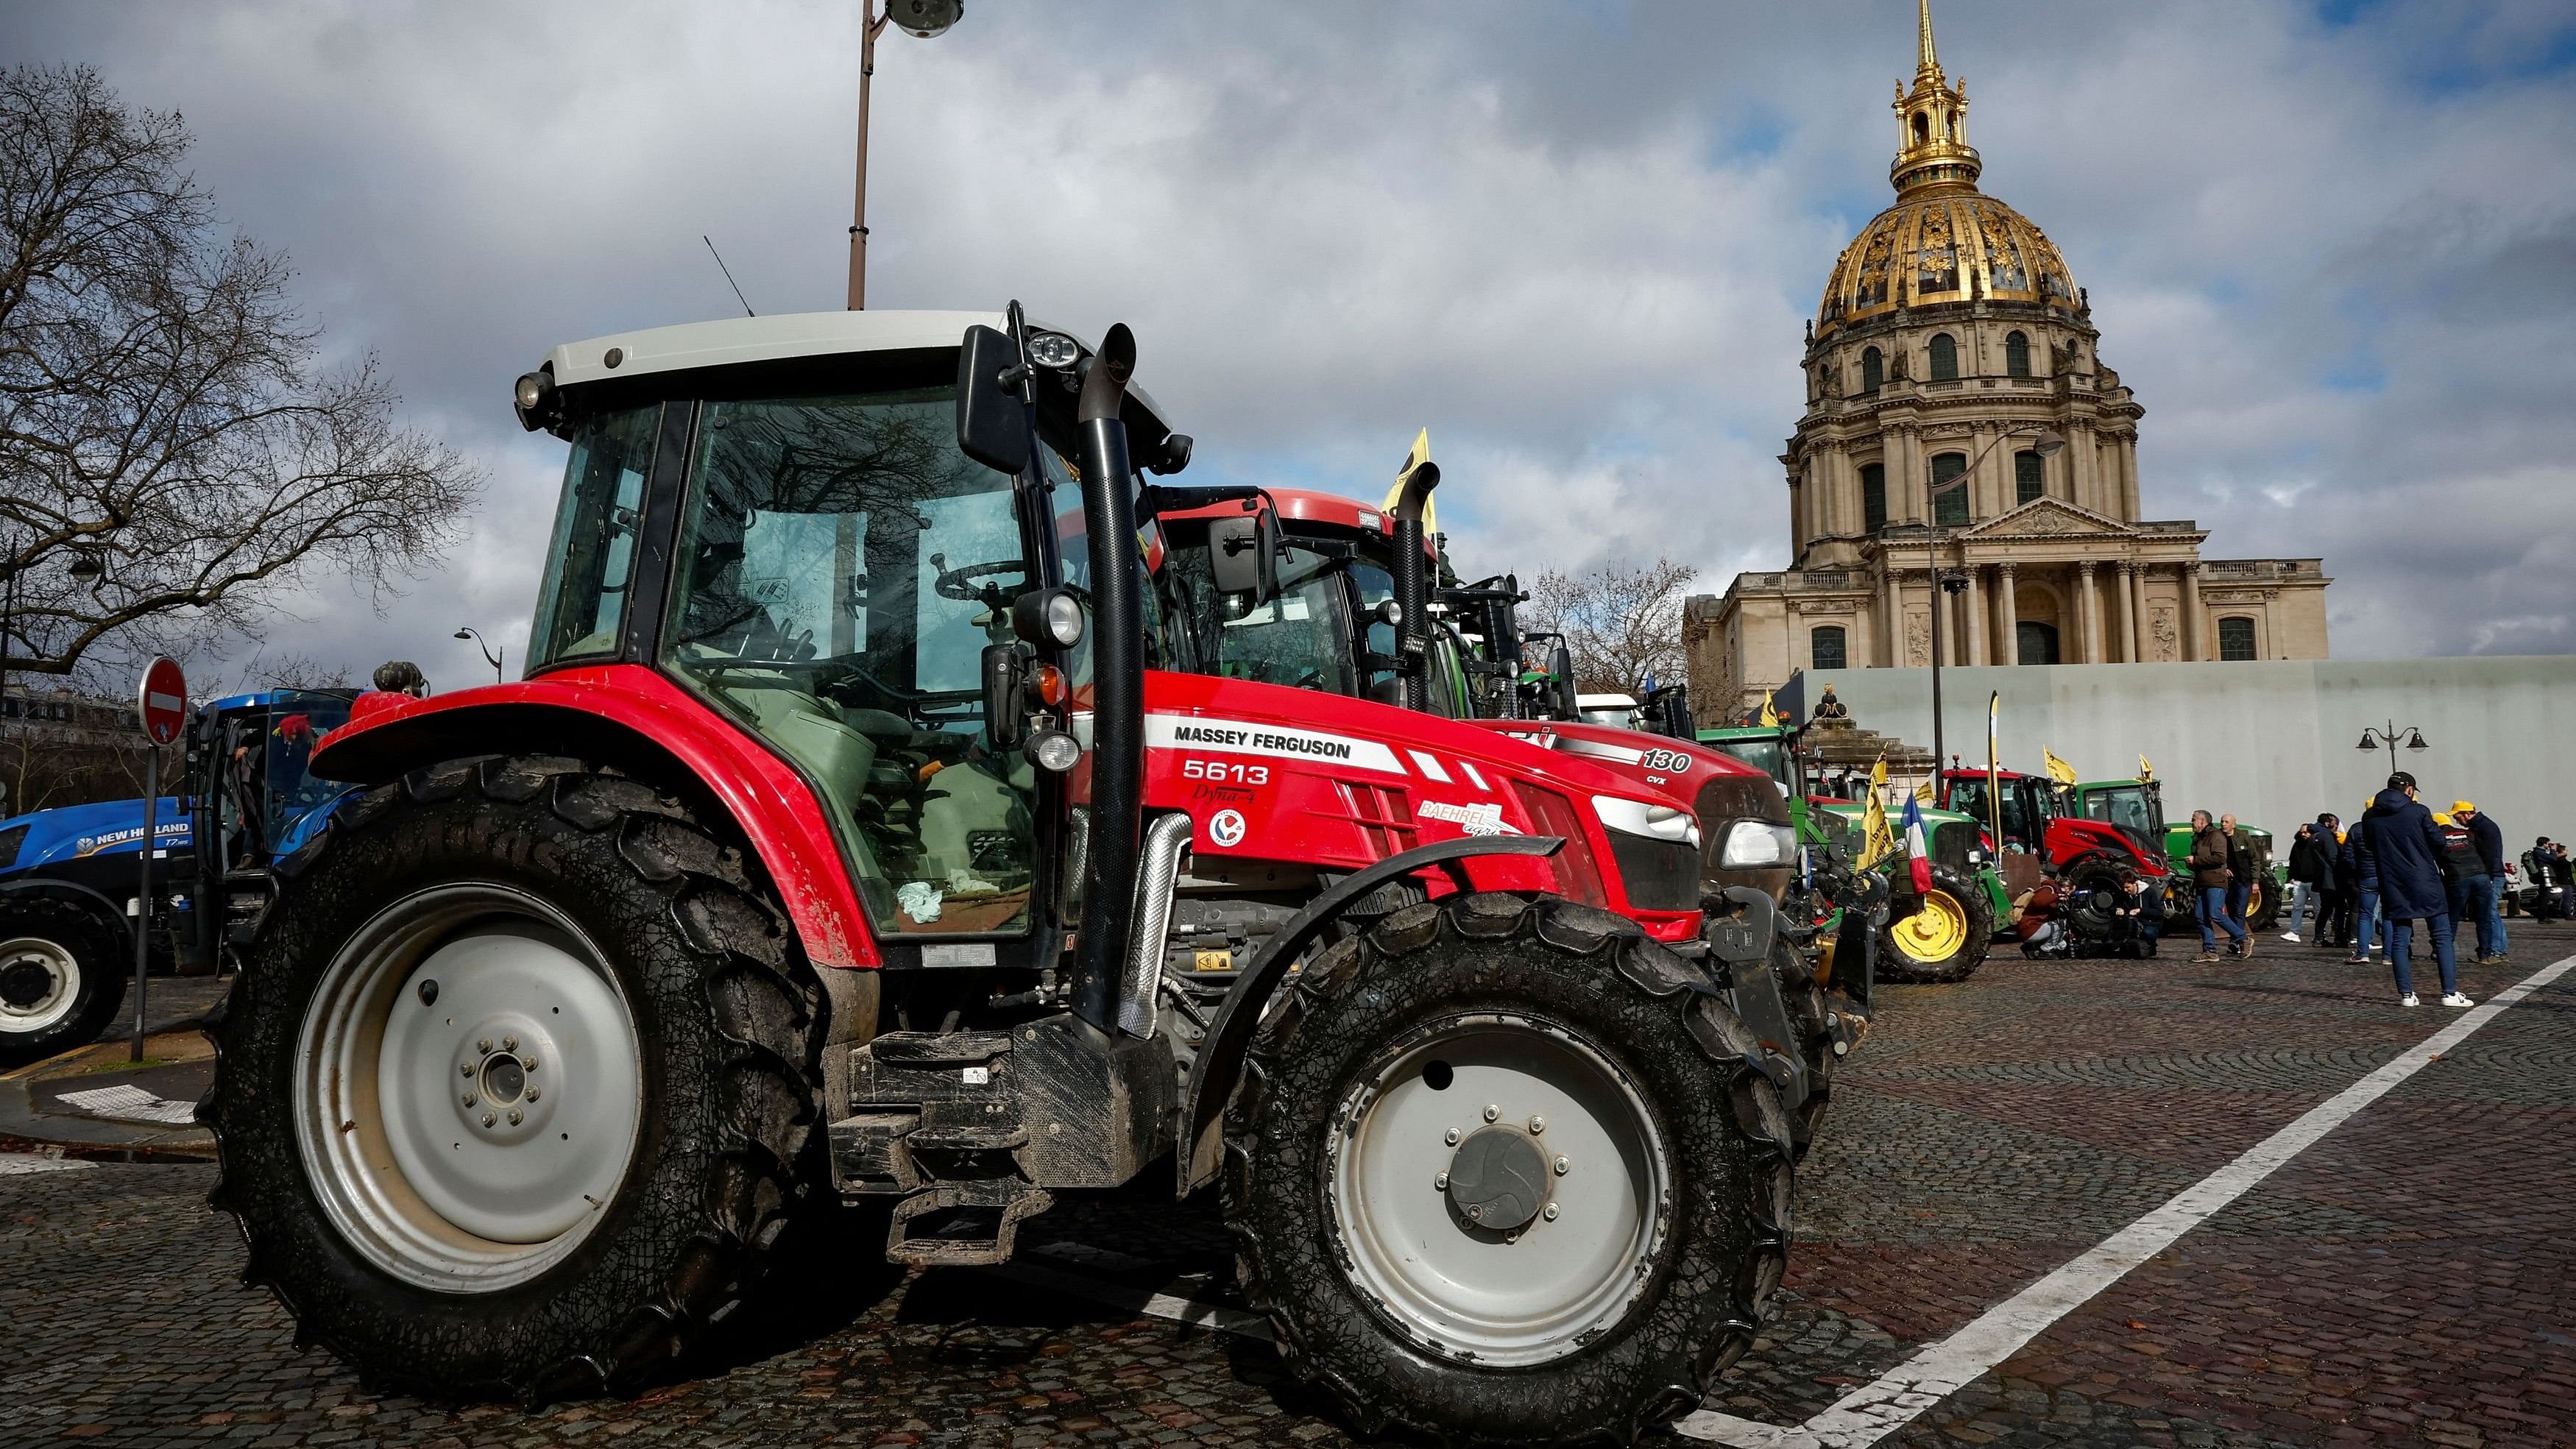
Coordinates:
(1225, 829)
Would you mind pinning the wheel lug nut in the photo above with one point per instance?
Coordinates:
(1537, 1125)
(528, 1063)
(469, 1099)
(465, 1069)
(1493, 1113)
(489, 1119)
(484, 1045)
(1561, 1166)
(509, 1043)
(1551, 1212)
(1450, 1136)
(517, 1117)
(1440, 1181)
(532, 1094)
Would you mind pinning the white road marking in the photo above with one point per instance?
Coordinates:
(19, 1164)
(131, 1103)
(1875, 1410)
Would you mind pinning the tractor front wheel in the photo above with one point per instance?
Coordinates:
(1945, 940)
(1498, 1174)
(512, 1091)
(60, 984)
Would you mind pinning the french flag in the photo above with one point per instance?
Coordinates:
(1918, 860)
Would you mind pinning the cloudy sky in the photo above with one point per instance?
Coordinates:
(2331, 245)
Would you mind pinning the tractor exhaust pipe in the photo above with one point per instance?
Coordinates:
(1118, 685)
(1158, 878)
(1413, 587)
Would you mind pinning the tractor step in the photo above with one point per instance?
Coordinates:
(1016, 1204)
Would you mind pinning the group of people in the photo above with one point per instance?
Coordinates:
(2222, 877)
(2366, 887)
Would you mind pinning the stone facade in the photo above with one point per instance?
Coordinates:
(1960, 423)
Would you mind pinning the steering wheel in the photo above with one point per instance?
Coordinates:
(952, 583)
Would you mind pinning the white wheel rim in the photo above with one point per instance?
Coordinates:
(1534, 1290)
(41, 980)
(467, 1139)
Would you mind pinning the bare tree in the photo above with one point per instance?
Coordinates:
(172, 456)
(1619, 623)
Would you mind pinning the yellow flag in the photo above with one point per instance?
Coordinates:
(1770, 713)
(1877, 842)
(1923, 792)
(2058, 770)
(2145, 770)
(1420, 455)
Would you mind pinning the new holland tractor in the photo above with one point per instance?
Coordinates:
(833, 845)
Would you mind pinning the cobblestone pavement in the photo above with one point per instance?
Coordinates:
(2407, 1280)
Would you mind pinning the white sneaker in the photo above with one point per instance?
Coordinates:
(2456, 999)
(2408, 1000)
(2289, 935)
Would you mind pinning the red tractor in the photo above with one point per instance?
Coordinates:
(867, 829)
(2095, 873)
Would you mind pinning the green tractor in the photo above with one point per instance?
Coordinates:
(1945, 940)
(2137, 809)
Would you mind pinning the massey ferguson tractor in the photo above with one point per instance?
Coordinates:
(836, 844)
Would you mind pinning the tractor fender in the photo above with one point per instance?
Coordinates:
(638, 721)
(1743, 928)
(110, 911)
(1220, 1057)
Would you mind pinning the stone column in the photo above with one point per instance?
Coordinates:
(2082, 473)
(2133, 610)
(2007, 617)
(2129, 478)
(1895, 615)
(1975, 625)
(2088, 614)
(2195, 643)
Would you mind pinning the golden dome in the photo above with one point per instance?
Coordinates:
(1942, 241)
(1955, 245)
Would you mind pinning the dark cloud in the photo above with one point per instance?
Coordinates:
(2327, 245)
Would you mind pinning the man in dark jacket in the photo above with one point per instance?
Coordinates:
(2240, 881)
(2483, 887)
(2311, 879)
(2403, 850)
(2354, 865)
(2209, 877)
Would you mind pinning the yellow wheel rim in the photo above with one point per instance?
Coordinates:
(2254, 901)
(1937, 932)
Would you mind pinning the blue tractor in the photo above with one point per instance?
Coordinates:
(68, 876)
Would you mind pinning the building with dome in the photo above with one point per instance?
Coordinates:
(1960, 423)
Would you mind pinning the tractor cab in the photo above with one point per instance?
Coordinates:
(2135, 807)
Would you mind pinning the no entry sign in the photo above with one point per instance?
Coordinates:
(163, 700)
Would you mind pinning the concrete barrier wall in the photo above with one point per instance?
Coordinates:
(2271, 740)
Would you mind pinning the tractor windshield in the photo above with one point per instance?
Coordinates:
(2130, 808)
(1300, 638)
(841, 567)
(1767, 753)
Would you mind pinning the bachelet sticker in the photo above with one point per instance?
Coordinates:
(1225, 829)
(1485, 819)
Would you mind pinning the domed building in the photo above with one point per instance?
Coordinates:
(1960, 421)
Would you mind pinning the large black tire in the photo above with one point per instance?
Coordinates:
(2263, 902)
(1949, 939)
(727, 1014)
(1808, 1005)
(1721, 1238)
(60, 980)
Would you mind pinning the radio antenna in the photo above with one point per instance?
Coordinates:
(728, 276)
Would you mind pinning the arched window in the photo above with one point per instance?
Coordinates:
(1922, 127)
(1873, 496)
(2035, 643)
(2027, 484)
(1945, 358)
(2236, 638)
(1950, 507)
(2017, 354)
(1873, 369)
(1825, 647)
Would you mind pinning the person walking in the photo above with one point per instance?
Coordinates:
(2209, 877)
(2485, 888)
(2311, 879)
(2357, 867)
(2408, 857)
(2240, 882)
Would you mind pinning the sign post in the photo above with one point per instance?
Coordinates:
(162, 700)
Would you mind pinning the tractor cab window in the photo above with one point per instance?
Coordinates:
(1375, 586)
(1767, 753)
(295, 800)
(2025, 820)
(841, 567)
(582, 606)
(2127, 808)
(1297, 639)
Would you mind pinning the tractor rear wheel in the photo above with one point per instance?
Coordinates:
(514, 1086)
(2262, 902)
(60, 984)
(1500, 1175)
(1944, 941)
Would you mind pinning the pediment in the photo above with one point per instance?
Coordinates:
(2048, 515)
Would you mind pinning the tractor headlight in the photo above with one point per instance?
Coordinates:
(1757, 845)
(1048, 616)
(535, 400)
(1053, 349)
(1053, 751)
(1644, 817)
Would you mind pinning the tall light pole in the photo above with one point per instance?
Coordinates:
(2372, 739)
(921, 18)
(2050, 441)
(489, 656)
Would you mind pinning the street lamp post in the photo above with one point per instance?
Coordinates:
(921, 18)
(2372, 739)
(2049, 441)
(490, 655)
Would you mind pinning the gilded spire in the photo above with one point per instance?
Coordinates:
(1932, 147)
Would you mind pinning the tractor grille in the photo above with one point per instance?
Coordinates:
(1384, 817)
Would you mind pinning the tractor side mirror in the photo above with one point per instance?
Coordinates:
(1243, 553)
(992, 416)
(1560, 666)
